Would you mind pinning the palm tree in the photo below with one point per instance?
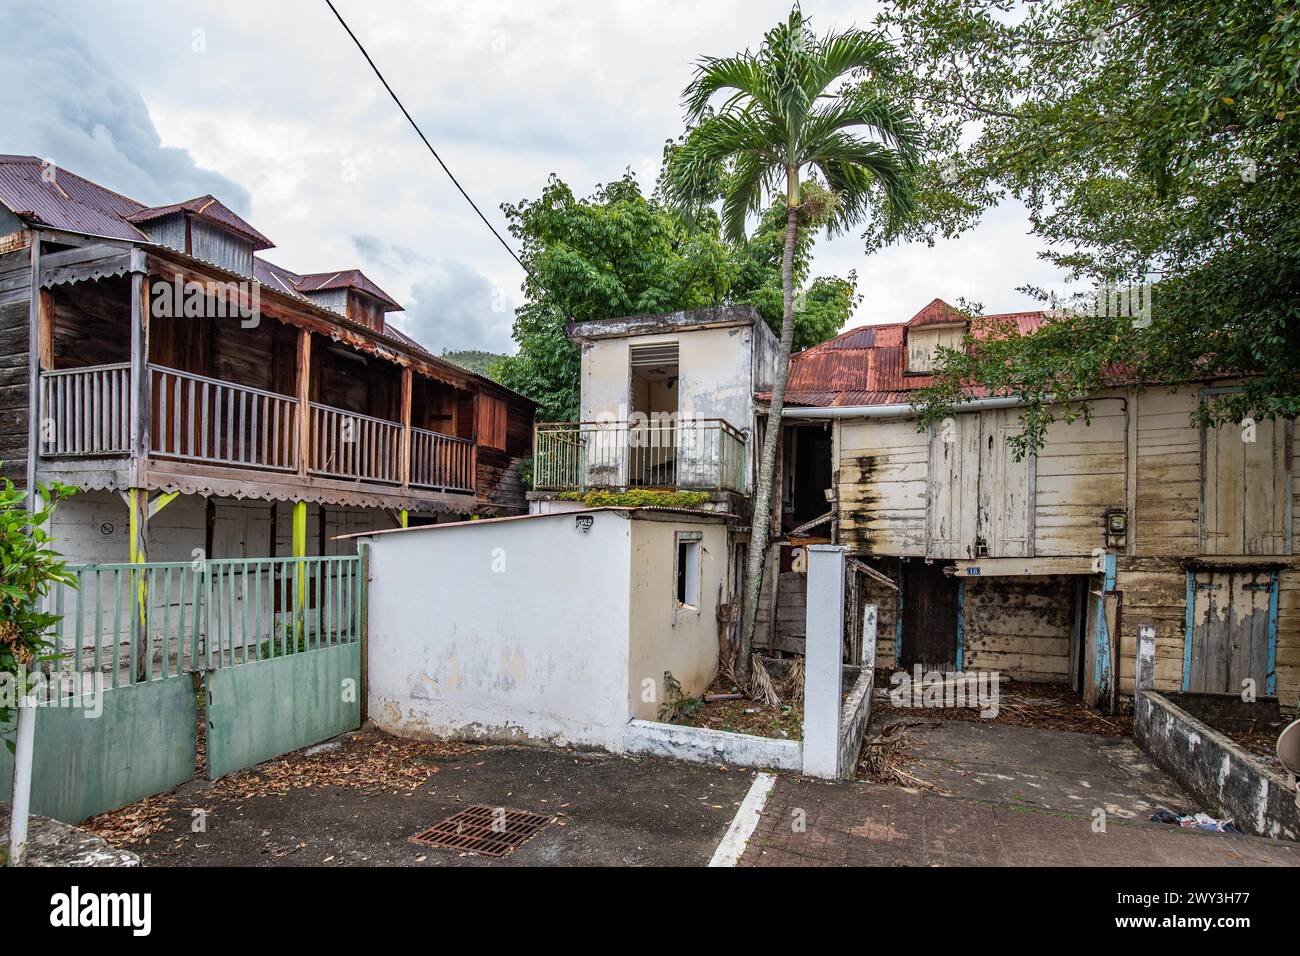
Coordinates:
(781, 117)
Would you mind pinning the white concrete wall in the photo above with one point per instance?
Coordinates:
(665, 637)
(715, 374)
(718, 371)
(503, 630)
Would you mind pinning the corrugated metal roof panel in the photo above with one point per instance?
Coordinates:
(347, 279)
(52, 196)
(868, 365)
(210, 208)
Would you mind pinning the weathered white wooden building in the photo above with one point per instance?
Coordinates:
(1043, 568)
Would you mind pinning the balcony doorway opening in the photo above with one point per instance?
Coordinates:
(652, 453)
(808, 476)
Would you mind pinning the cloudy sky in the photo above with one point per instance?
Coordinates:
(268, 106)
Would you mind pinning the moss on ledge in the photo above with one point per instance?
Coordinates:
(638, 498)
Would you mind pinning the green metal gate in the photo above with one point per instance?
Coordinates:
(271, 649)
(283, 657)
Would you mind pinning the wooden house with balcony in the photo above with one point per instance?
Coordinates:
(205, 398)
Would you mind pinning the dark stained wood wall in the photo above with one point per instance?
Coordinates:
(91, 324)
(498, 471)
(15, 319)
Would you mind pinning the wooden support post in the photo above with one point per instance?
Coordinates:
(139, 399)
(304, 404)
(34, 430)
(405, 469)
(406, 518)
(45, 330)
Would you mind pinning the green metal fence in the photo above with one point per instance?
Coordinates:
(139, 622)
(274, 644)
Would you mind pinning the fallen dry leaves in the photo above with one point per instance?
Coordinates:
(368, 761)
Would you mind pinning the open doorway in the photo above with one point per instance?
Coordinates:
(808, 476)
(652, 427)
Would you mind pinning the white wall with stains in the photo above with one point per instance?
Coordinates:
(502, 630)
(526, 629)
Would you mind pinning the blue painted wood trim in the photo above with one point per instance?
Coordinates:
(1272, 632)
(1101, 661)
(898, 620)
(1187, 630)
(961, 624)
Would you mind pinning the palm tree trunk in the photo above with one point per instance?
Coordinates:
(762, 519)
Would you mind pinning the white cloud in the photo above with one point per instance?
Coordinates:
(281, 103)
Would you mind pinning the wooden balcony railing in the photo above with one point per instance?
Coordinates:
(86, 411)
(697, 453)
(441, 461)
(349, 445)
(203, 419)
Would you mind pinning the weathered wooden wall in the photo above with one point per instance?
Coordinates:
(1080, 474)
(1187, 493)
(1020, 626)
(882, 487)
(15, 320)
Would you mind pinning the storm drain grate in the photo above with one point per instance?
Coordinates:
(491, 831)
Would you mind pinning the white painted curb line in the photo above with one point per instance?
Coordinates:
(742, 827)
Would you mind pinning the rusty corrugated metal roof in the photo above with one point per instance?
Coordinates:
(51, 196)
(347, 279)
(868, 365)
(212, 209)
(937, 312)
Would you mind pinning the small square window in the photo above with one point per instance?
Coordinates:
(688, 569)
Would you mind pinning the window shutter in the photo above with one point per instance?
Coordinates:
(491, 426)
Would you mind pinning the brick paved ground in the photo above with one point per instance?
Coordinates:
(861, 824)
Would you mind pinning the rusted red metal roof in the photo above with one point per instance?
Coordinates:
(47, 195)
(277, 277)
(938, 312)
(868, 365)
(212, 209)
(347, 279)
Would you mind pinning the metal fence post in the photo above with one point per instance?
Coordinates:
(363, 551)
(21, 798)
(824, 643)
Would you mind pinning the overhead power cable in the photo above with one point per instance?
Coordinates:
(416, 126)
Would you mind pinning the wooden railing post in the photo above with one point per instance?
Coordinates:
(304, 401)
(405, 464)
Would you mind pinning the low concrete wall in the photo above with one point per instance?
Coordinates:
(1215, 769)
(704, 745)
(854, 718)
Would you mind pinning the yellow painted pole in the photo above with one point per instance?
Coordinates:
(137, 504)
(299, 551)
(406, 518)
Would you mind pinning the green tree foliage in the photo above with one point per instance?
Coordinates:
(787, 111)
(1150, 141)
(619, 252)
(28, 569)
(822, 306)
(475, 360)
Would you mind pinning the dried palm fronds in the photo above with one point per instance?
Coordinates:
(883, 756)
(761, 688)
(792, 686)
